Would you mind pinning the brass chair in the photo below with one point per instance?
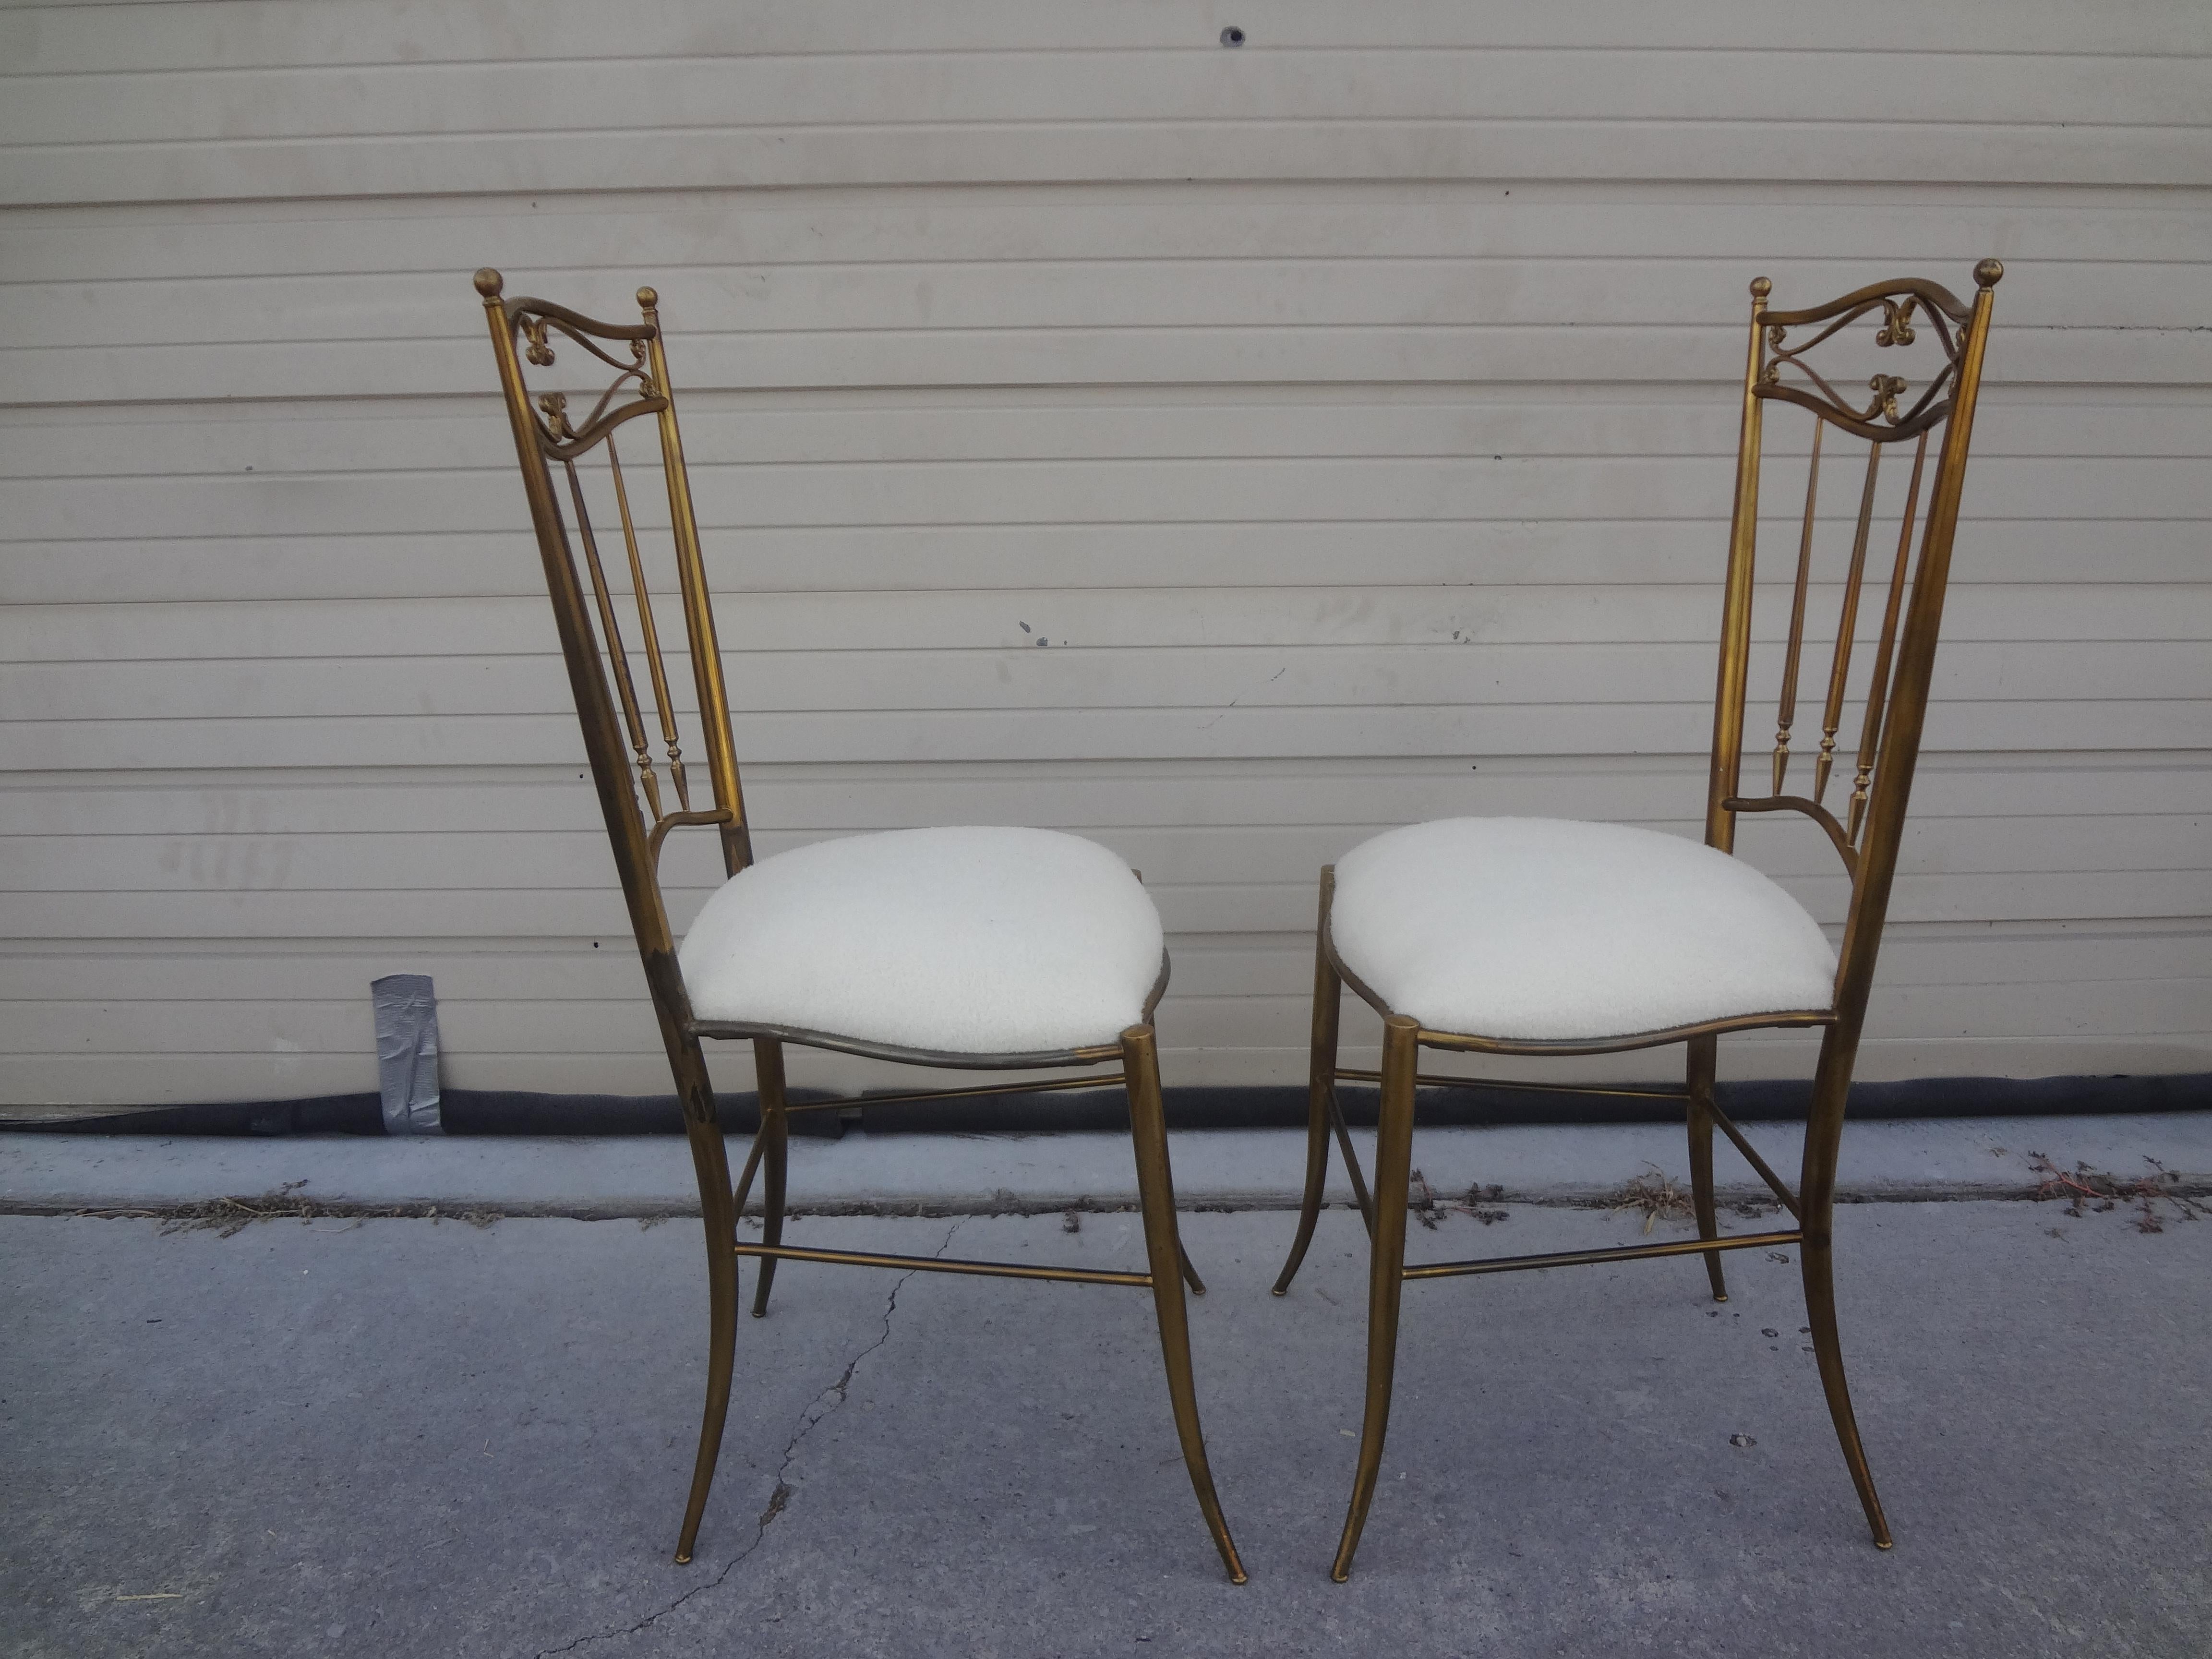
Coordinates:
(973, 948)
(1523, 936)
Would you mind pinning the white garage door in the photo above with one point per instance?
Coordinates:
(1221, 452)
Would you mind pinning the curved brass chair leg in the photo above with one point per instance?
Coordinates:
(1320, 1086)
(1816, 1196)
(712, 1163)
(1702, 1066)
(721, 1357)
(1828, 1349)
(1393, 1160)
(775, 1148)
(1162, 1251)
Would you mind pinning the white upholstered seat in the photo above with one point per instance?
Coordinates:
(973, 941)
(1553, 930)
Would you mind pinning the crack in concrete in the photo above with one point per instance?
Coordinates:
(780, 1498)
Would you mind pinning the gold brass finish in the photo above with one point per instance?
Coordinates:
(1641, 1040)
(774, 1139)
(1163, 1250)
(1323, 1113)
(623, 769)
(950, 1058)
(1797, 618)
(1866, 840)
(1759, 1166)
(1870, 722)
(1429, 1081)
(981, 1089)
(1839, 836)
(1513, 1264)
(1386, 1277)
(1700, 1113)
(1846, 632)
(1359, 1197)
(939, 1264)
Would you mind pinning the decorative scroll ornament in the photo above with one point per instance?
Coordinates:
(1897, 329)
(562, 434)
(554, 405)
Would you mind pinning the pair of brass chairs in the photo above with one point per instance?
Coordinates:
(1026, 949)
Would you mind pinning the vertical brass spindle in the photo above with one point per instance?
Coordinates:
(624, 687)
(1846, 630)
(1877, 689)
(1728, 696)
(651, 635)
(698, 607)
(1798, 617)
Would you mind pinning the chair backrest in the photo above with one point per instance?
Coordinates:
(1890, 693)
(623, 375)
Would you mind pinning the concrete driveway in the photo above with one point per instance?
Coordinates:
(401, 1437)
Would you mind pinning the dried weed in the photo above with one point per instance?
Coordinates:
(1480, 1202)
(2155, 1197)
(226, 1216)
(1655, 1195)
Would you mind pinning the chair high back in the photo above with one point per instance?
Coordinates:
(625, 376)
(1797, 358)
(1892, 701)
(625, 370)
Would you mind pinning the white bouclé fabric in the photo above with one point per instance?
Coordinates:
(984, 940)
(1553, 930)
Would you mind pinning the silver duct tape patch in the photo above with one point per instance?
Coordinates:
(407, 1053)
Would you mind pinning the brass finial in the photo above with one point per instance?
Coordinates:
(1760, 287)
(647, 300)
(488, 283)
(1989, 273)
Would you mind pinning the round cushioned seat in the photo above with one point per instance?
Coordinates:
(1548, 930)
(979, 940)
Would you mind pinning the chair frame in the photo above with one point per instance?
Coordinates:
(545, 437)
(1867, 841)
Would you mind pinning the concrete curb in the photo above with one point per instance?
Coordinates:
(1910, 1161)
